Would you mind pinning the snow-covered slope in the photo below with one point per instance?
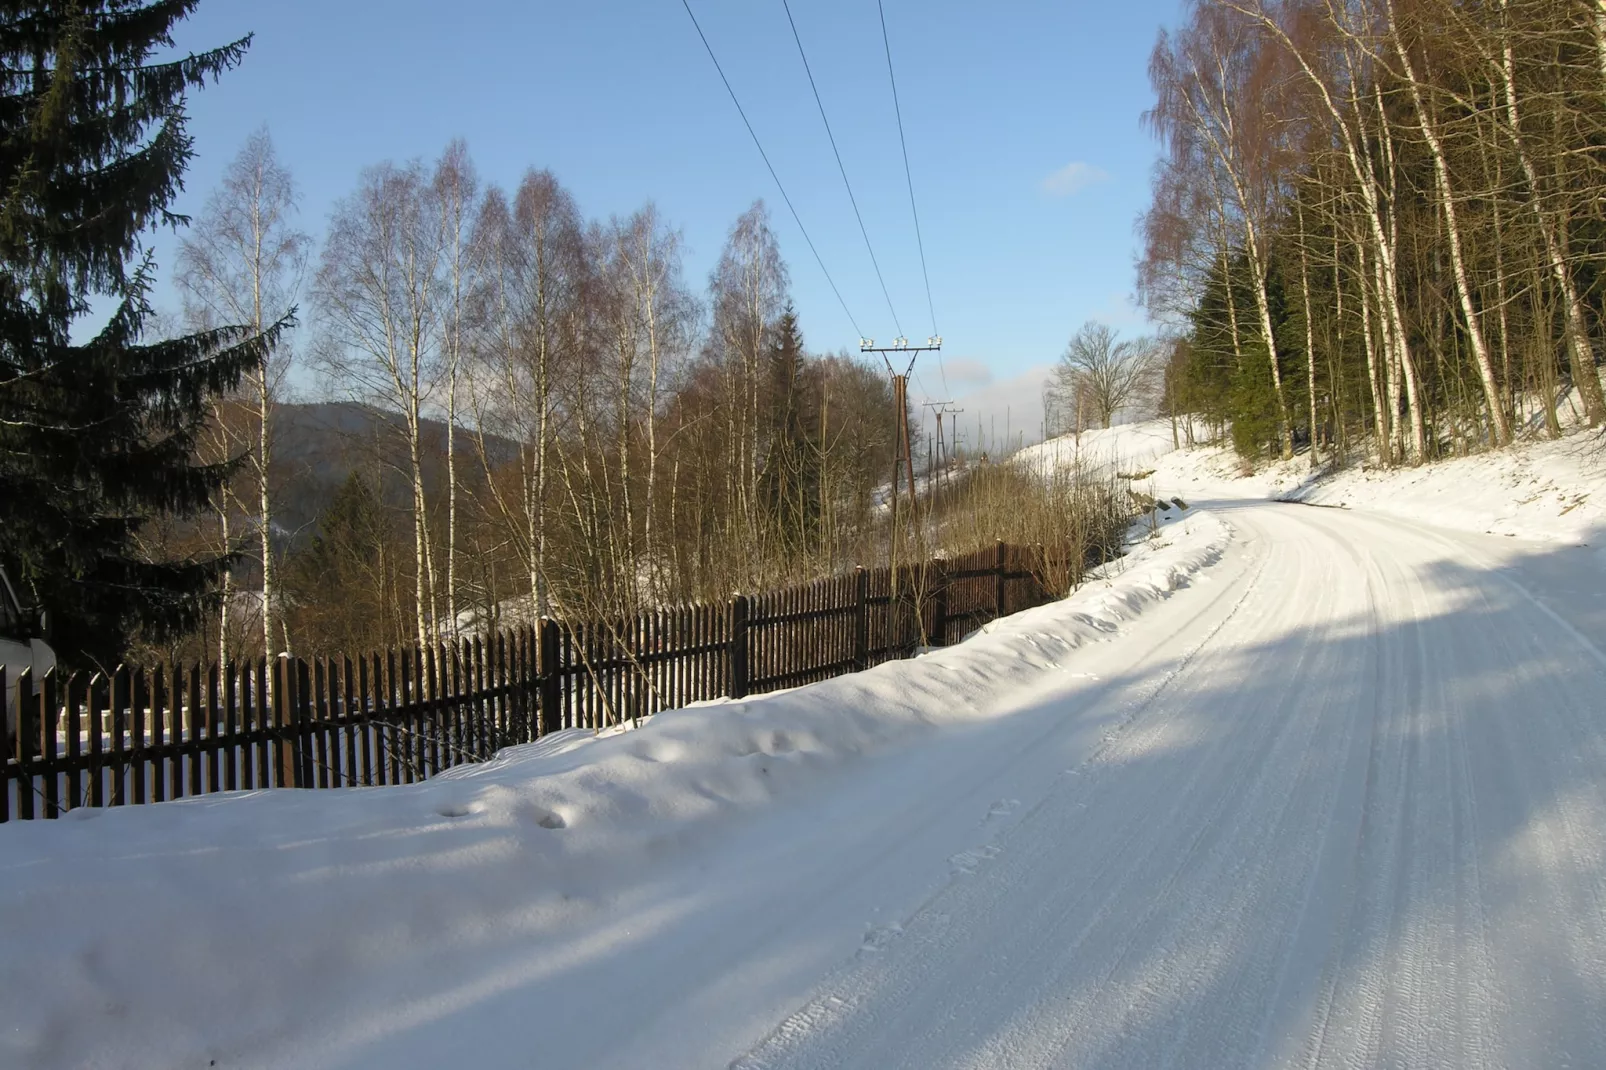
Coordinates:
(1549, 490)
(1554, 491)
(1128, 448)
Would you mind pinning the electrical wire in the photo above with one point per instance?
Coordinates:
(908, 174)
(778, 184)
(841, 167)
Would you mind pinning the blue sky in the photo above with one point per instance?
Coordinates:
(1022, 117)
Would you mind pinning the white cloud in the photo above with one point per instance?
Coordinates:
(968, 372)
(998, 413)
(1073, 178)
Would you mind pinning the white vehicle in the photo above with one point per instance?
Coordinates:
(22, 645)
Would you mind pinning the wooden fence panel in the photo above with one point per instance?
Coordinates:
(148, 734)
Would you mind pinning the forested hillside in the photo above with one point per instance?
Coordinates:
(1380, 218)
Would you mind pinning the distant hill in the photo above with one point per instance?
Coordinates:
(318, 445)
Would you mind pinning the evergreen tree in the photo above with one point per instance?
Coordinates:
(98, 437)
(790, 474)
(345, 580)
(1228, 380)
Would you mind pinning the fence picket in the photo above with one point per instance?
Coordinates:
(139, 761)
(230, 746)
(77, 692)
(158, 734)
(27, 739)
(194, 717)
(120, 697)
(7, 760)
(49, 713)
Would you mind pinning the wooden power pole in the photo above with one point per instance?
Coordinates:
(903, 453)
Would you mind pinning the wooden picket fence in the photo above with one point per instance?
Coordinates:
(146, 735)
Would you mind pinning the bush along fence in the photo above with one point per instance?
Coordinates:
(144, 735)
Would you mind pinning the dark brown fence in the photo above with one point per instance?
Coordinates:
(148, 735)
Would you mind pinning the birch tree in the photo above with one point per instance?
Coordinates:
(454, 196)
(1214, 83)
(243, 260)
(378, 289)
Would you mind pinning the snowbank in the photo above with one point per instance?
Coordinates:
(281, 927)
(1552, 491)
(1544, 490)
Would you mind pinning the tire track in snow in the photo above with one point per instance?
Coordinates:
(841, 999)
(1265, 872)
(1570, 861)
(1108, 763)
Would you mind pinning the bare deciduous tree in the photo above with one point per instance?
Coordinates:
(243, 260)
(378, 289)
(1106, 372)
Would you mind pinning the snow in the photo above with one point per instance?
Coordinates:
(1287, 786)
(1545, 490)
(316, 928)
(1362, 824)
(1125, 448)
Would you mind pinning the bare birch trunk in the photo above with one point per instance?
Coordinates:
(1310, 331)
(1580, 350)
(1263, 305)
(228, 590)
(1441, 174)
(1356, 147)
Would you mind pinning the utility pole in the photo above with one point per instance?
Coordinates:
(944, 452)
(934, 469)
(903, 453)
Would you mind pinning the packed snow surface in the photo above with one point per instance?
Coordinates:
(1290, 787)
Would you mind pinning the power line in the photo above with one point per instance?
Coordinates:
(841, 167)
(907, 173)
(778, 185)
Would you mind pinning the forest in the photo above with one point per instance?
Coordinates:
(1376, 225)
(620, 441)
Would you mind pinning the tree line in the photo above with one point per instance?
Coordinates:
(568, 427)
(1380, 219)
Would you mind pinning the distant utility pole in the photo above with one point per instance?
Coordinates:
(903, 453)
(944, 453)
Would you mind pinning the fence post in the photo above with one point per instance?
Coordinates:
(939, 600)
(307, 778)
(286, 762)
(861, 620)
(549, 679)
(736, 656)
(27, 739)
(1003, 561)
(5, 751)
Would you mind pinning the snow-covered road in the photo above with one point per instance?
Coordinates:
(1362, 825)
(1338, 802)
(1342, 804)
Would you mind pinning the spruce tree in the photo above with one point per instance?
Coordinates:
(791, 484)
(97, 435)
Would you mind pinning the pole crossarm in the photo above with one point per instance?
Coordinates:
(900, 345)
